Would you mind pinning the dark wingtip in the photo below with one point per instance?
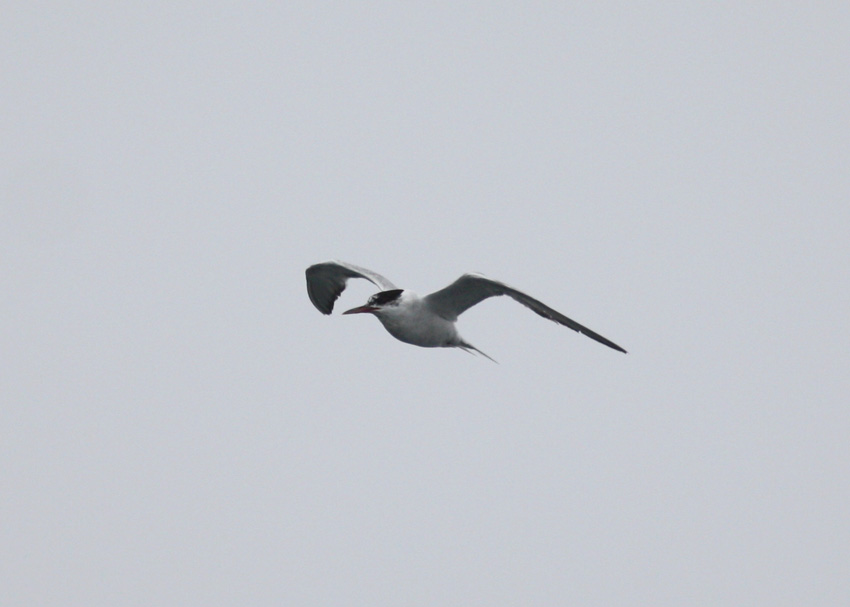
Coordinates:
(614, 346)
(602, 340)
(324, 308)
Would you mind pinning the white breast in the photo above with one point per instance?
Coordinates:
(413, 323)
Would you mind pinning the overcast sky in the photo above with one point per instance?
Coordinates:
(179, 425)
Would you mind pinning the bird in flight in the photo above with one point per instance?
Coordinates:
(427, 321)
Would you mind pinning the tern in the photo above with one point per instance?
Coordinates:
(427, 321)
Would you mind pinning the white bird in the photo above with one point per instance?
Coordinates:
(424, 321)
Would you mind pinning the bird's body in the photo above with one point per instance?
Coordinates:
(410, 321)
(424, 321)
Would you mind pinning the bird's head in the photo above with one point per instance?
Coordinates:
(379, 302)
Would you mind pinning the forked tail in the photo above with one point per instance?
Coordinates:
(470, 348)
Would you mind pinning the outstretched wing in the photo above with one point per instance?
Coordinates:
(325, 281)
(471, 289)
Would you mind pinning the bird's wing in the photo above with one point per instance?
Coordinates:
(325, 281)
(471, 289)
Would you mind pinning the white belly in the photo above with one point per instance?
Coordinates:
(428, 331)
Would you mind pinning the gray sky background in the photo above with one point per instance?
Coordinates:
(179, 426)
